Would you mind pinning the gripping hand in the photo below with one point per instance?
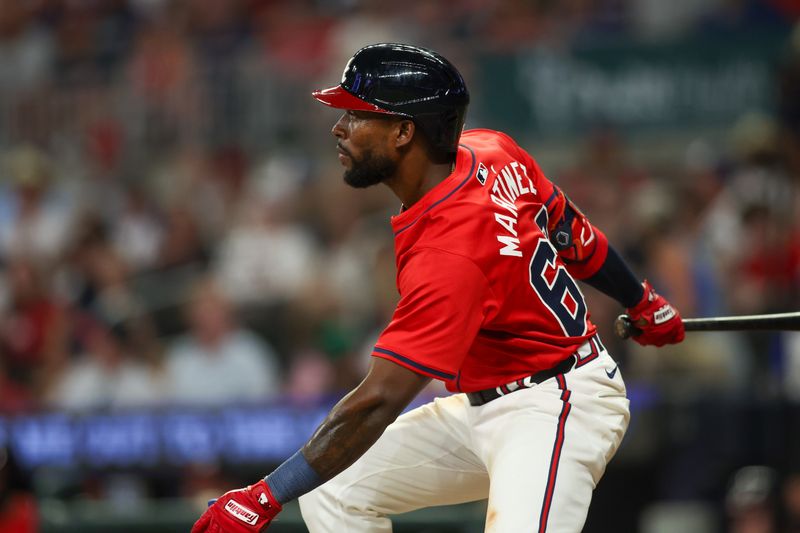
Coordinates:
(659, 322)
(247, 510)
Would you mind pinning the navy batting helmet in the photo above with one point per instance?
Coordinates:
(405, 80)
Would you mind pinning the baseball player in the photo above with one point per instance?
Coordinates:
(488, 251)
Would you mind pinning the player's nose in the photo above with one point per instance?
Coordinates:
(338, 130)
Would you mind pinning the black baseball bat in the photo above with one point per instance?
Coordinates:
(624, 327)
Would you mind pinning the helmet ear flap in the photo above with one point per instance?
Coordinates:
(442, 131)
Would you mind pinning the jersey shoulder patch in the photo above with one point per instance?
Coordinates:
(482, 173)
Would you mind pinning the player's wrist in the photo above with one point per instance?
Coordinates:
(262, 493)
(293, 478)
(647, 298)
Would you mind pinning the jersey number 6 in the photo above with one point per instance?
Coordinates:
(555, 287)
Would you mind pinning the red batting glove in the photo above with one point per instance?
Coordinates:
(660, 322)
(247, 510)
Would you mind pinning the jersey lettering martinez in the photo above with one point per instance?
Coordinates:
(485, 298)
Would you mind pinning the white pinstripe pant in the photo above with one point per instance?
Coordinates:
(537, 454)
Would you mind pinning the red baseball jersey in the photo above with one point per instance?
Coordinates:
(485, 298)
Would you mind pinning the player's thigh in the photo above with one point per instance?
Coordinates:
(547, 455)
(420, 461)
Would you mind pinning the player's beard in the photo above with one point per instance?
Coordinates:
(369, 170)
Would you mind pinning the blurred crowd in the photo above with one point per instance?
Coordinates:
(174, 229)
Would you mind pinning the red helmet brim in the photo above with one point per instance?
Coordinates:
(341, 98)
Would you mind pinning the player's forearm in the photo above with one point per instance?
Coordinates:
(352, 426)
(616, 280)
(350, 429)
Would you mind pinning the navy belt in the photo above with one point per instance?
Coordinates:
(487, 395)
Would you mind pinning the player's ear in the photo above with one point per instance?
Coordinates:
(404, 132)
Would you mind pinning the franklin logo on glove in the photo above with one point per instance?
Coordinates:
(242, 513)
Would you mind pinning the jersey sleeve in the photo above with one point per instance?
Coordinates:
(443, 301)
(581, 245)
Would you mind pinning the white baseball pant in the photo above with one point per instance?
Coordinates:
(537, 454)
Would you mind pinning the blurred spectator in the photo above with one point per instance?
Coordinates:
(16, 397)
(92, 39)
(18, 508)
(228, 178)
(767, 273)
(78, 47)
(26, 50)
(32, 326)
(665, 244)
(265, 257)
(205, 186)
(110, 373)
(165, 98)
(751, 501)
(218, 361)
(351, 261)
(98, 188)
(98, 277)
(182, 243)
(751, 226)
(33, 221)
(791, 503)
(137, 232)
